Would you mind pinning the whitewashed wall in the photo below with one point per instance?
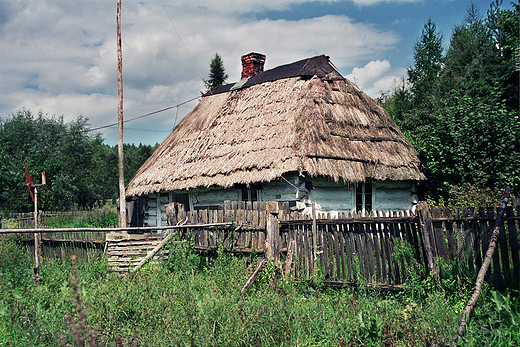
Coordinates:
(328, 196)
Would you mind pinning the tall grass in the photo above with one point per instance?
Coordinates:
(194, 301)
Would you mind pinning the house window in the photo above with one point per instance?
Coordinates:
(249, 194)
(182, 198)
(364, 196)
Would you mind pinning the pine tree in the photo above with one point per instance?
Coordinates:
(428, 62)
(217, 73)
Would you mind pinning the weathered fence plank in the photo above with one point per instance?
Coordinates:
(349, 249)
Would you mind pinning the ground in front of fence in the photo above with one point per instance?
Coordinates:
(189, 301)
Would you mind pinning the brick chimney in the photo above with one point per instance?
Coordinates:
(252, 64)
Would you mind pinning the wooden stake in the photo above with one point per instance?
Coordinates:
(483, 269)
(253, 275)
(37, 243)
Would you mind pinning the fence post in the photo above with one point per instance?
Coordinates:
(314, 263)
(273, 233)
(427, 236)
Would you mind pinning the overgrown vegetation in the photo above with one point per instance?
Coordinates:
(195, 301)
(101, 217)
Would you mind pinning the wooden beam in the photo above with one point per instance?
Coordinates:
(152, 252)
(253, 275)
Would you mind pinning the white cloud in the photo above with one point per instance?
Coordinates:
(375, 77)
(60, 56)
(373, 2)
(256, 6)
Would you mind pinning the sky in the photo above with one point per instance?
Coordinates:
(60, 56)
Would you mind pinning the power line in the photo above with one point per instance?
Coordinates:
(145, 115)
(152, 130)
(189, 56)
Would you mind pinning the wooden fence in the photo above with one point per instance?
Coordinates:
(85, 245)
(347, 250)
(461, 238)
(123, 252)
(379, 248)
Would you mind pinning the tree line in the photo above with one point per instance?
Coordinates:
(81, 170)
(459, 105)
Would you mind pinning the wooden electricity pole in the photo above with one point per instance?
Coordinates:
(122, 200)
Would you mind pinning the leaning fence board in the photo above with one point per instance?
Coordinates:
(439, 235)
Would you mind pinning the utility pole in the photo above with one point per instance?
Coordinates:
(122, 199)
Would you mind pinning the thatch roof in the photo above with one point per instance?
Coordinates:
(302, 117)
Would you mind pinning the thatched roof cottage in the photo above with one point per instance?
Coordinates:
(300, 132)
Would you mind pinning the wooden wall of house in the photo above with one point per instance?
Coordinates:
(329, 196)
(154, 206)
(202, 198)
(395, 195)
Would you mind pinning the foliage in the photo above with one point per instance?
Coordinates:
(460, 110)
(467, 194)
(80, 169)
(497, 324)
(196, 301)
(217, 73)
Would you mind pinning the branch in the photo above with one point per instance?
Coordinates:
(482, 273)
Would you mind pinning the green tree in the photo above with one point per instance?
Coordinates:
(398, 104)
(463, 111)
(217, 73)
(80, 169)
(427, 65)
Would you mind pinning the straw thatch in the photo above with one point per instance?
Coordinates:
(302, 117)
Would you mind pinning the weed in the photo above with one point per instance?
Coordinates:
(497, 323)
(190, 302)
(77, 322)
(102, 217)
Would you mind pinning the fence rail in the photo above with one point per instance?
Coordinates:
(373, 248)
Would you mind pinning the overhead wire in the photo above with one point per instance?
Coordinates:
(167, 108)
(146, 115)
(180, 39)
(164, 109)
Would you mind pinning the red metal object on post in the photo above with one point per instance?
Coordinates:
(29, 182)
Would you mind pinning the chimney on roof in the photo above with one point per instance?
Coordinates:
(252, 64)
